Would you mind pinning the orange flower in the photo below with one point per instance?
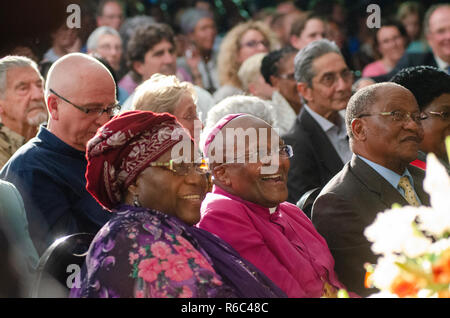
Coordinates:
(441, 269)
(368, 280)
(444, 294)
(404, 287)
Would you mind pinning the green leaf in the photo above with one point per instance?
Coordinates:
(396, 206)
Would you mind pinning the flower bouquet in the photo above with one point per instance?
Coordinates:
(414, 243)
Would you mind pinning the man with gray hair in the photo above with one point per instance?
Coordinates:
(49, 169)
(384, 125)
(22, 106)
(106, 42)
(318, 137)
(436, 25)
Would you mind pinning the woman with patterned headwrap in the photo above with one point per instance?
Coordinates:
(141, 166)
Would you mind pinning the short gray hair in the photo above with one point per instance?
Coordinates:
(92, 41)
(238, 104)
(13, 61)
(361, 102)
(304, 59)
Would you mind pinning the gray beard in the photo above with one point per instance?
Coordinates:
(37, 119)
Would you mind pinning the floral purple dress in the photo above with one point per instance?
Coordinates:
(145, 253)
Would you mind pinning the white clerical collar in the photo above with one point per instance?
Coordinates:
(272, 210)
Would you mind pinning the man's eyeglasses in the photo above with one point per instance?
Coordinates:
(445, 115)
(284, 151)
(183, 168)
(400, 116)
(254, 43)
(111, 111)
(330, 79)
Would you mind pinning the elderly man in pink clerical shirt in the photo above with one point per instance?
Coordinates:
(247, 208)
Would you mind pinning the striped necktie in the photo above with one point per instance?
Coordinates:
(409, 191)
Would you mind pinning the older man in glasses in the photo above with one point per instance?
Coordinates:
(49, 170)
(247, 208)
(318, 137)
(384, 125)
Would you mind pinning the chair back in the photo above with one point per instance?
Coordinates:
(306, 201)
(59, 266)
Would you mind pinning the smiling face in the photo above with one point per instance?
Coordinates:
(392, 144)
(161, 189)
(438, 35)
(436, 128)
(391, 43)
(246, 180)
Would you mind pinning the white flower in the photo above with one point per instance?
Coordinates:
(385, 272)
(426, 293)
(437, 184)
(440, 246)
(435, 222)
(392, 232)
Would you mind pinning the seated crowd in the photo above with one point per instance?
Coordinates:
(190, 156)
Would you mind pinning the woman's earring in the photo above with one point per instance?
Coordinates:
(136, 202)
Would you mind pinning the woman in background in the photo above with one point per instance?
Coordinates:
(390, 42)
(241, 42)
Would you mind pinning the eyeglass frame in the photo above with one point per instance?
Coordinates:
(439, 114)
(254, 43)
(350, 72)
(171, 165)
(421, 115)
(89, 110)
(289, 154)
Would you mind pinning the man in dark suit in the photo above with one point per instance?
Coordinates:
(318, 137)
(384, 125)
(437, 31)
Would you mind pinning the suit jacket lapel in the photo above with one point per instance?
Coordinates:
(376, 183)
(325, 150)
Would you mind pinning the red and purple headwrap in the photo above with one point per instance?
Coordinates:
(123, 148)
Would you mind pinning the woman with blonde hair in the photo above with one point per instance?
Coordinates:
(241, 42)
(166, 94)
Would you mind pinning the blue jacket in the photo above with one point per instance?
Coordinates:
(50, 176)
